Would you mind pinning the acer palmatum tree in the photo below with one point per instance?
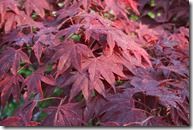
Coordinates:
(94, 63)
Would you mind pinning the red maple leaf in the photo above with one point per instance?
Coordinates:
(64, 115)
(33, 82)
(11, 59)
(10, 86)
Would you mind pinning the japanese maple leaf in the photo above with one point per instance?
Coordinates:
(12, 20)
(116, 108)
(179, 69)
(100, 67)
(131, 51)
(151, 87)
(119, 7)
(10, 86)
(33, 82)
(7, 5)
(63, 115)
(12, 16)
(95, 71)
(80, 82)
(70, 54)
(116, 7)
(121, 113)
(22, 116)
(96, 105)
(95, 27)
(68, 11)
(26, 110)
(46, 36)
(17, 37)
(37, 6)
(146, 34)
(10, 60)
(65, 33)
(38, 49)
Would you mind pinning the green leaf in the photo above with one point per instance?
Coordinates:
(134, 17)
(61, 39)
(152, 3)
(90, 123)
(22, 64)
(57, 91)
(119, 82)
(25, 72)
(32, 96)
(44, 104)
(49, 68)
(94, 94)
(76, 37)
(79, 97)
(40, 116)
(34, 16)
(9, 109)
(151, 15)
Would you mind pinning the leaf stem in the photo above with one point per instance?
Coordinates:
(49, 99)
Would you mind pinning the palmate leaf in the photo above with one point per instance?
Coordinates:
(10, 86)
(172, 101)
(16, 37)
(96, 70)
(70, 54)
(22, 116)
(12, 16)
(38, 49)
(37, 6)
(10, 60)
(7, 5)
(119, 7)
(124, 117)
(112, 110)
(68, 114)
(33, 82)
(68, 11)
(152, 87)
(25, 112)
(66, 33)
(81, 83)
(99, 68)
(129, 49)
(11, 20)
(44, 37)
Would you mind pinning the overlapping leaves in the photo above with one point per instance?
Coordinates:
(106, 69)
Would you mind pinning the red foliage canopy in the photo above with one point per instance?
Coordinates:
(94, 62)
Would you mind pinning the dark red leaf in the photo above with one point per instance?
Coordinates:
(64, 115)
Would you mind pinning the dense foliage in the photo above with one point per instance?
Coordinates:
(94, 63)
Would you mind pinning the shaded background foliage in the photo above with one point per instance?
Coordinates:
(94, 63)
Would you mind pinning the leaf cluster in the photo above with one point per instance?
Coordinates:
(94, 63)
